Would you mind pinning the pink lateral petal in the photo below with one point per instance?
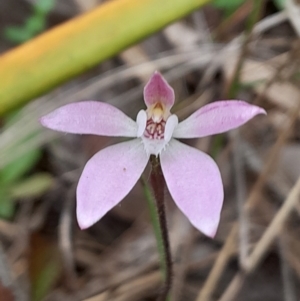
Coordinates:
(158, 90)
(215, 118)
(90, 117)
(107, 178)
(195, 183)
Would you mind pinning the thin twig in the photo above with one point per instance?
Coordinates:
(272, 231)
(269, 166)
(293, 12)
(240, 188)
(274, 78)
(264, 243)
(219, 266)
(182, 268)
(286, 271)
(256, 11)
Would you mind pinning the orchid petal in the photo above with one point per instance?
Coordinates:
(141, 121)
(216, 118)
(195, 184)
(153, 146)
(158, 90)
(171, 124)
(107, 178)
(90, 117)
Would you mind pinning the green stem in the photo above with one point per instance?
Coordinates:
(158, 216)
(155, 223)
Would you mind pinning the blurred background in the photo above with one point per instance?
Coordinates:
(228, 49)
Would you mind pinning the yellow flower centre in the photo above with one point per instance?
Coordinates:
(157, 116)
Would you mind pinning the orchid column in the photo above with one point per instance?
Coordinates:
(192, 177)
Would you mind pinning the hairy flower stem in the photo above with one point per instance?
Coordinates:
(158, 185)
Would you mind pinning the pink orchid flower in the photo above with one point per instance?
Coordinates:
(192, 177)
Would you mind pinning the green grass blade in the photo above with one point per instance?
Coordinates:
(76, 46)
